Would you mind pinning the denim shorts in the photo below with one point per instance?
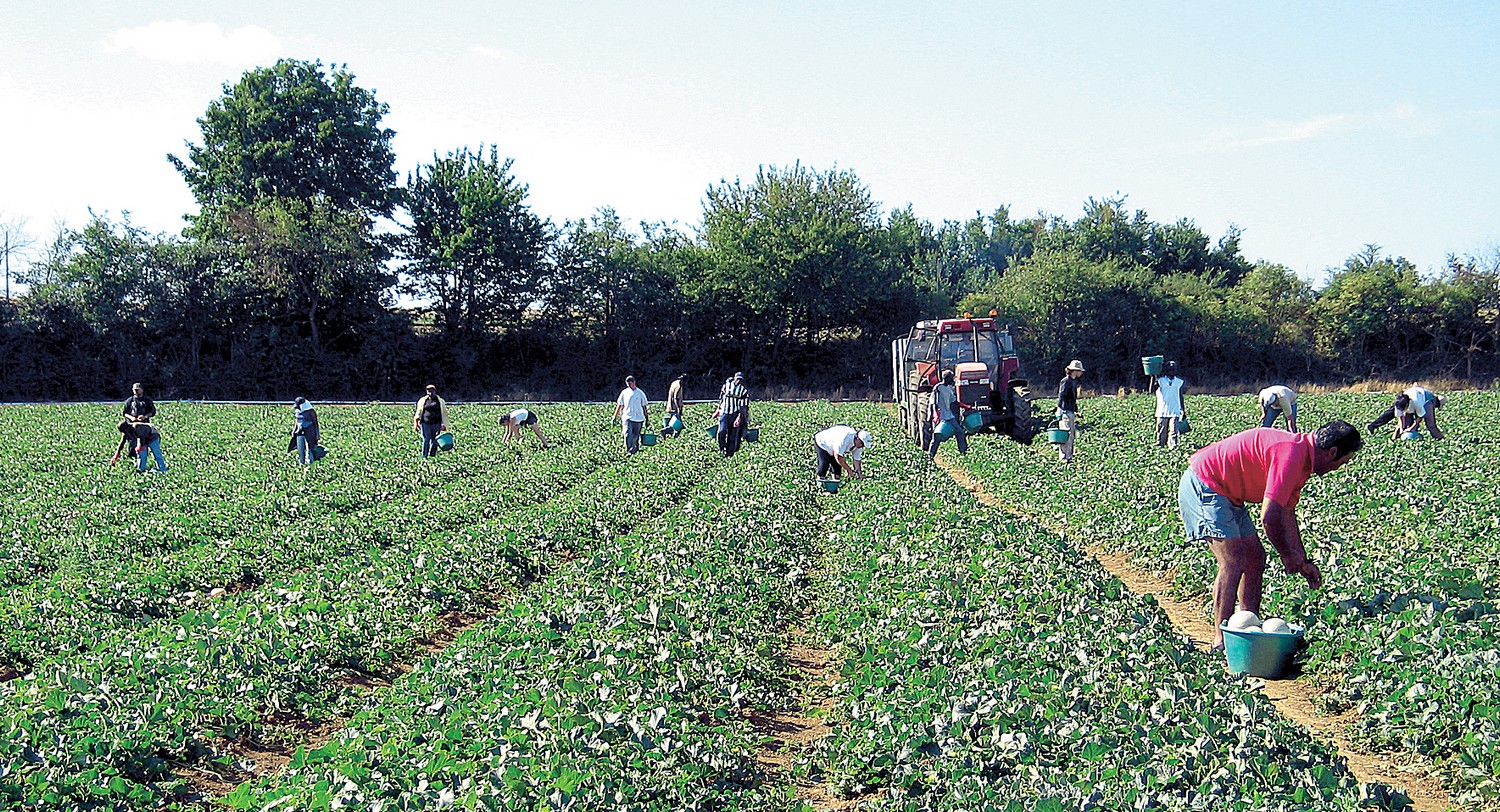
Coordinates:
(1207, 515)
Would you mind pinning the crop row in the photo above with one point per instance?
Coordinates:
(109, 727)
(1406, 630)
(86, 597)
(987, 664)
(621, 682)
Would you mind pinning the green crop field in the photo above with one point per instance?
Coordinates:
(518, 628)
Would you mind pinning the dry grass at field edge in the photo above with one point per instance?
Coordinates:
(1293, 698)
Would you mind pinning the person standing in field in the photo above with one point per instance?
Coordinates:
(733, 414)
(518, 418)
(144, 439)
(947, 407)
(632, 412)
(675, 399)
(431, 419)
(305, 432)
(840, 449)
(138, 408)
(1266, 466)
(1170, 411)
(1414, 403)
(1067, 407)
(1278, 401)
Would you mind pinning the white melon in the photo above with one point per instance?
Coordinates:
(1276, 625)
(1244, 620)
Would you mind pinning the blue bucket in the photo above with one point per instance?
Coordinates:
(1259, 654)
(752, 434)
(713, 429)
(945, 429)
(1412, 435)
(648, 439)
(830, 485)
(673, 423)
(974, 421)
(445, 441)
(1153, 364)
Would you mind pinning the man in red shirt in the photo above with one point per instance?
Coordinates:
(1261, 465)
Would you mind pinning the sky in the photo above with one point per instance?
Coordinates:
(1314, 128)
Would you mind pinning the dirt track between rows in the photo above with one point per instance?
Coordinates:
(1294, 698)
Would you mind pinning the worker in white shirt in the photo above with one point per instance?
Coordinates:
(518, 418)
(841, 448)
(1278, 401)
(1413, 404)
(1170, 414)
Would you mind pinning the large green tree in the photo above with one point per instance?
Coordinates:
(292, 174)
(475, 250)
(796, 256)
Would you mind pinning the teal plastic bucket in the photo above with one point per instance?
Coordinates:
(445, 441)
(1057, 436)
(752, 434)
(1412, 435)
(973, 421)
(830, 485)
(673, 423)
(713, 429)
(1259, 654)
(648, 439)
(945, 429)
(1153, 364)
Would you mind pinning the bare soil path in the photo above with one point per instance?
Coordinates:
(1292, 697)
(791, 732)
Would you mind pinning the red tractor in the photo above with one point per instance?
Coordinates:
(985, 366)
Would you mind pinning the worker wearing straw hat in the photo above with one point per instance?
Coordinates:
(1067, 407)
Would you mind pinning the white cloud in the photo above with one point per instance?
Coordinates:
(1279, 132)
(182, 41)
(497, 54)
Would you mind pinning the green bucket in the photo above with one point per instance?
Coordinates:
(1057, 436)
(830, 485)
(445, 441)
(648, 439)
(945, 429)
(1259, 654)
(973, 421)
(1153, 364)
(752, 434)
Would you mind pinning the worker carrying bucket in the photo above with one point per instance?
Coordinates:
(1261, 465)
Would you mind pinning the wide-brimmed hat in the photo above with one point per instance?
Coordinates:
(1075, 365)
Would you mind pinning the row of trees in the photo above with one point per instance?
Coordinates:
(309, 268)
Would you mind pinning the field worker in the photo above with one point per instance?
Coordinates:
(1278, 401)
(1169, 406)
(733, 413)
(631, 411)
(1266, 466)
(841, 448)
(145, 439)
(431, 419)
(1067, 407)
(518, 418)
(305, 432)
(675, 398)
(1416, 402)
(946, 406)
(138, 408)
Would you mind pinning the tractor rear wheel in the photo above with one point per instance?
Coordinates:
(1021, 423)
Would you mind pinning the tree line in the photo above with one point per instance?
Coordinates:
(311, 268)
